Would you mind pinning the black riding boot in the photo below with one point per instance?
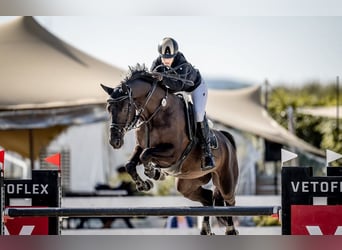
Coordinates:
(207, 157)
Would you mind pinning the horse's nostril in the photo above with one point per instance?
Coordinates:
(116, 143)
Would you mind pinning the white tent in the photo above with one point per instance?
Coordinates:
(242, 109)
(46, 85)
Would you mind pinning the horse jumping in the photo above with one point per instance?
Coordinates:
(166, 145)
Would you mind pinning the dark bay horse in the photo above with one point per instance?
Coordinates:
(164, 146)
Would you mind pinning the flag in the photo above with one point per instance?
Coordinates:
(54, 159)
(332, 156)
(287, 155)
(2, 159)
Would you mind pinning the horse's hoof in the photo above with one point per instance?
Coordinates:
(143, 186)
(148, 185)
(139, 187)
(204, 232)
(155, 174)
(152, 173)
(232, 232)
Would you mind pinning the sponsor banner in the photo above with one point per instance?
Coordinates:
(27, 225)
(316, 220)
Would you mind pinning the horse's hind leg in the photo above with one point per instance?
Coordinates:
(228, 220)
(225, 179)
(206, 229)
(230, 229)
(192, 189)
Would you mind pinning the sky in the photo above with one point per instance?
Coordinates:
(284, 50)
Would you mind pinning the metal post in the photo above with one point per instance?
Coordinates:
(31, 148)
(266, 94)
(2, 202)
(337, 109)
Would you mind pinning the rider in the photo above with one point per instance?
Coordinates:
(172, 63)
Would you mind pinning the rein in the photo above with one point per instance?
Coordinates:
(162, 103)
(171, 73)
(139, 116)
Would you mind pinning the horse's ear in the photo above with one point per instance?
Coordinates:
(124, 88)
(107, 89)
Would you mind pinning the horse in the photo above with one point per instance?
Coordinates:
(165, 146)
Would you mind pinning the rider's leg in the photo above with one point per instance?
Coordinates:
(208, 160)
(199, 97)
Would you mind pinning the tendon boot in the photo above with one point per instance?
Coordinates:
(207, 157)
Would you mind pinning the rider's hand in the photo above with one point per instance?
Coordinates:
(157, 76)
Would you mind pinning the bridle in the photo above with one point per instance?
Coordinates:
(134, 118)
(120, 127)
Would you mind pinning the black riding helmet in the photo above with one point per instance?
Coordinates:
(168, 47)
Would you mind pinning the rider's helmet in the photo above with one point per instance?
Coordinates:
(168, 47)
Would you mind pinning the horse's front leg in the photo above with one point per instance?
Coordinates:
(153, 171)
(131, 168)
(162, 152)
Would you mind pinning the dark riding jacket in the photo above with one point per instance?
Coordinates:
(180, 68)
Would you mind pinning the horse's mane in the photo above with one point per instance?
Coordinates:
(139, 71)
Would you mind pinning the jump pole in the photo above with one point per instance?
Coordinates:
(142, 211)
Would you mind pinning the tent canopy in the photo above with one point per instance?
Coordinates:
(46, 85)
(328, 112)
(38, 70)
(242, 109)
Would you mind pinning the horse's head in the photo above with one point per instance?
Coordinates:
(122, 114)
(129, 103)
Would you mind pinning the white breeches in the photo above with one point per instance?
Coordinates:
(199, 98)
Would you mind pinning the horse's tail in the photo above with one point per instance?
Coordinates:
(229, 137)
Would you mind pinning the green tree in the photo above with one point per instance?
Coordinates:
(318, 131)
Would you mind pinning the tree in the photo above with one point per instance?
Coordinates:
(318, 131)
